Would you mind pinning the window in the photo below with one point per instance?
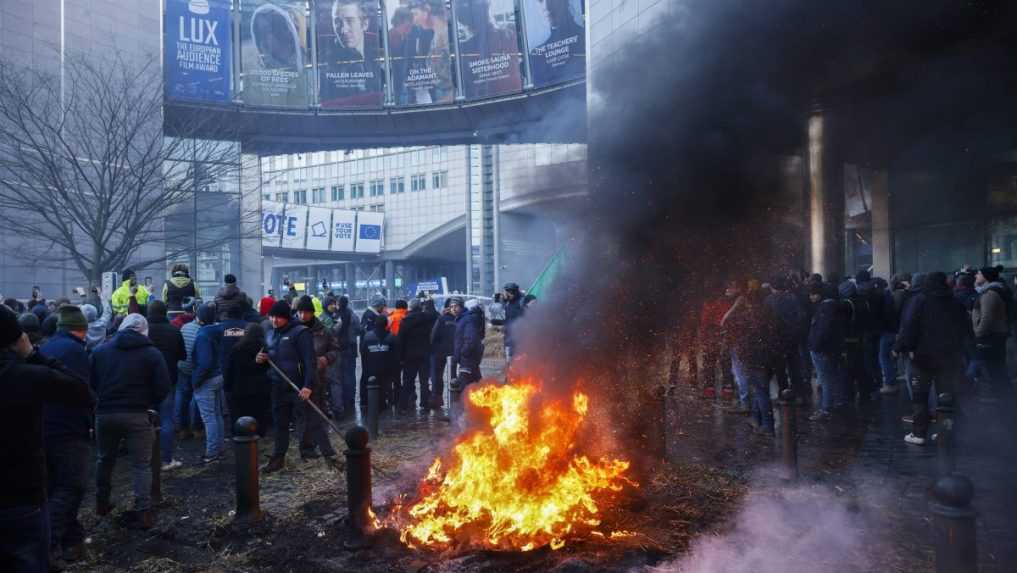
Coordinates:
(267, 196)
(300, 197)
(356, 191)
(283, 197)
(337, 192)
(435, 154)
(444, 153)
(397, 185)
(318, 195)
(439, 179)
(379, 207)
(377, 187)
(418, 182)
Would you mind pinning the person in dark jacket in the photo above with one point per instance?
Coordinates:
(990, 319)
(249, 380)
(886, 320)
(415, 351)
(177, 288)
(514, 310)
(228, 296)
(785, 308)
(170, 343)
(754, 337)
(443, 336)
(290, 347)
(68, 450)
(858, 324)
(207, 381)
(30, 382)
(379, 351)
(228, 332)
(130, 377)
(932, 335)
(468, 349)
(826, 345)
(346, 335)
(326, 352)
(29, 324)
(367, 321)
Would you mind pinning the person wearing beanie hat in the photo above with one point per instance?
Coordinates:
(130, 377)
(468, 345)
(33, 383)
(228, 296)
(177, 288)
(370, 315)
(170, 343)
(71, 319)
(207, 381)
(326, 353)
(280, 308)
(415, 354)
(990, 318)
(514, 310)
(29, 323)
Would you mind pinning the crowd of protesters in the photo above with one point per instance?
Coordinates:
(862, 338)
(74, 374)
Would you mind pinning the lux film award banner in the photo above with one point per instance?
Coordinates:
(343, 226)
(273, 223)
(296, 223)
(319, 225)
(197, 51)
(370, 231)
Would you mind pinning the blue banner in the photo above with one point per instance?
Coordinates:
(198, 53)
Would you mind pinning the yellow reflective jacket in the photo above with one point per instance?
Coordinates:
(122, 298)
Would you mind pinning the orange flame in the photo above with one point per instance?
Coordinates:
(517, 483)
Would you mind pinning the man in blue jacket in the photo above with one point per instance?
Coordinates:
(469, 342)
(66, 433)
(514, 310)
(130, 377)
(207, 381)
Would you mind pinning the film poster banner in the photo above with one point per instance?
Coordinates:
(350, 53)
(557, 40)
(296, 223)
(319, 225)
(273, 52)
(369, 231)
(197, 50)
(420, 47)
(343, 226)
(273, 223)
(489, 47)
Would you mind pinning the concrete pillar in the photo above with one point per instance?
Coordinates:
(390, 290)
(826, 196)
(882, 239)
(250, 274)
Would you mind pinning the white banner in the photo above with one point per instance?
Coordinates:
(273, 221)
(343, 225)
(370, 230)
(296, 223)
(319, 225)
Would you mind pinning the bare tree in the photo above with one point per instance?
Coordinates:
(85, 165)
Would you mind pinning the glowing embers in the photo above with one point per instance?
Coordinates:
(517, 482)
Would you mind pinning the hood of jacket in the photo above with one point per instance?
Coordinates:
(129, 340)
(993, 285)
(180, 281)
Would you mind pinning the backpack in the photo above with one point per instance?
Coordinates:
(1009, 302)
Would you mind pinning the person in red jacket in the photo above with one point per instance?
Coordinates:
(715, 347)
(266, 303)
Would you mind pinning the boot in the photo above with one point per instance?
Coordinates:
(275, 463)
(103, 507)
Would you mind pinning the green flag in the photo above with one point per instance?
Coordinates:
(544, 282)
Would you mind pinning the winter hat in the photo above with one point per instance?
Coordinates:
(863, 276)
(455, 300)
(511, 287)
(70, 317)
(40, 311)
(991, 274)
(329, 301)
(378, 301)
(343, 302)
(10, 327)
(401, 304)
(134, 322)
(281, 308)
(157, 308)
(90, 312)
(471, 304)
(29, 322)
(847, 289)
(305, 303)
(127, 274)
(180, 270)
(206, 313)
(230, 279)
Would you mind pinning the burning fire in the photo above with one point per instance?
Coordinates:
(516, 483)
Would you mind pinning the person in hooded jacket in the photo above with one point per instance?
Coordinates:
(886, 320)
(932, 335)
(858, 325)
(826, 346)
(228, 296)
(98, 326)
(130, 377)
(346, 335)
(177, 288)
(443, 337)
(784, 306)
(326, 353)
(754, 341)
(415, 351)
(379, 351)
(468, 348)
(367, 320)
(991, 324)
(249, 380)
(129, 289)
(206, 379)
(171, 344)
(30, 382)
(514, 310)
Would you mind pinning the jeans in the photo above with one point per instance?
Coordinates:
(887, 363)
(759, 380)
(24, 539)
(167, 432)
(67, 461)
(209, 398)
(135, 429)
(945, 377)
(789, 370)
(992, 373)
(831, 380)
(741, 377)
(185, 409)
(286, 408)
(438, 363)
(414, 369)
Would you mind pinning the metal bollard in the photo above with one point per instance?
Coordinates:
(358, 486)
(156, 464)
(789, 433)
(945, 435)
(373, 405)
(954, 525)
(245, 444)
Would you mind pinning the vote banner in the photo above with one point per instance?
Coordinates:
(489, 46)
(293, 233)
(350, 55)
(343, 226)
(197, 50)
(370, 231)
(556, 35)
(319, 225)
(273, 223)
(273, 52)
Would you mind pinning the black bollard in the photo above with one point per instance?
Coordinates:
(245, 444)
(373, 405)
(358, 487)
(945, 434)
(156, 465)
(789, 433)
(954, 525)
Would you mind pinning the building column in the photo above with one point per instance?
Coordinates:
(250, 273)
(826, 196)
(882, 239)
(390, 291)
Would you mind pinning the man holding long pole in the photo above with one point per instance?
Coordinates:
(290, 348)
